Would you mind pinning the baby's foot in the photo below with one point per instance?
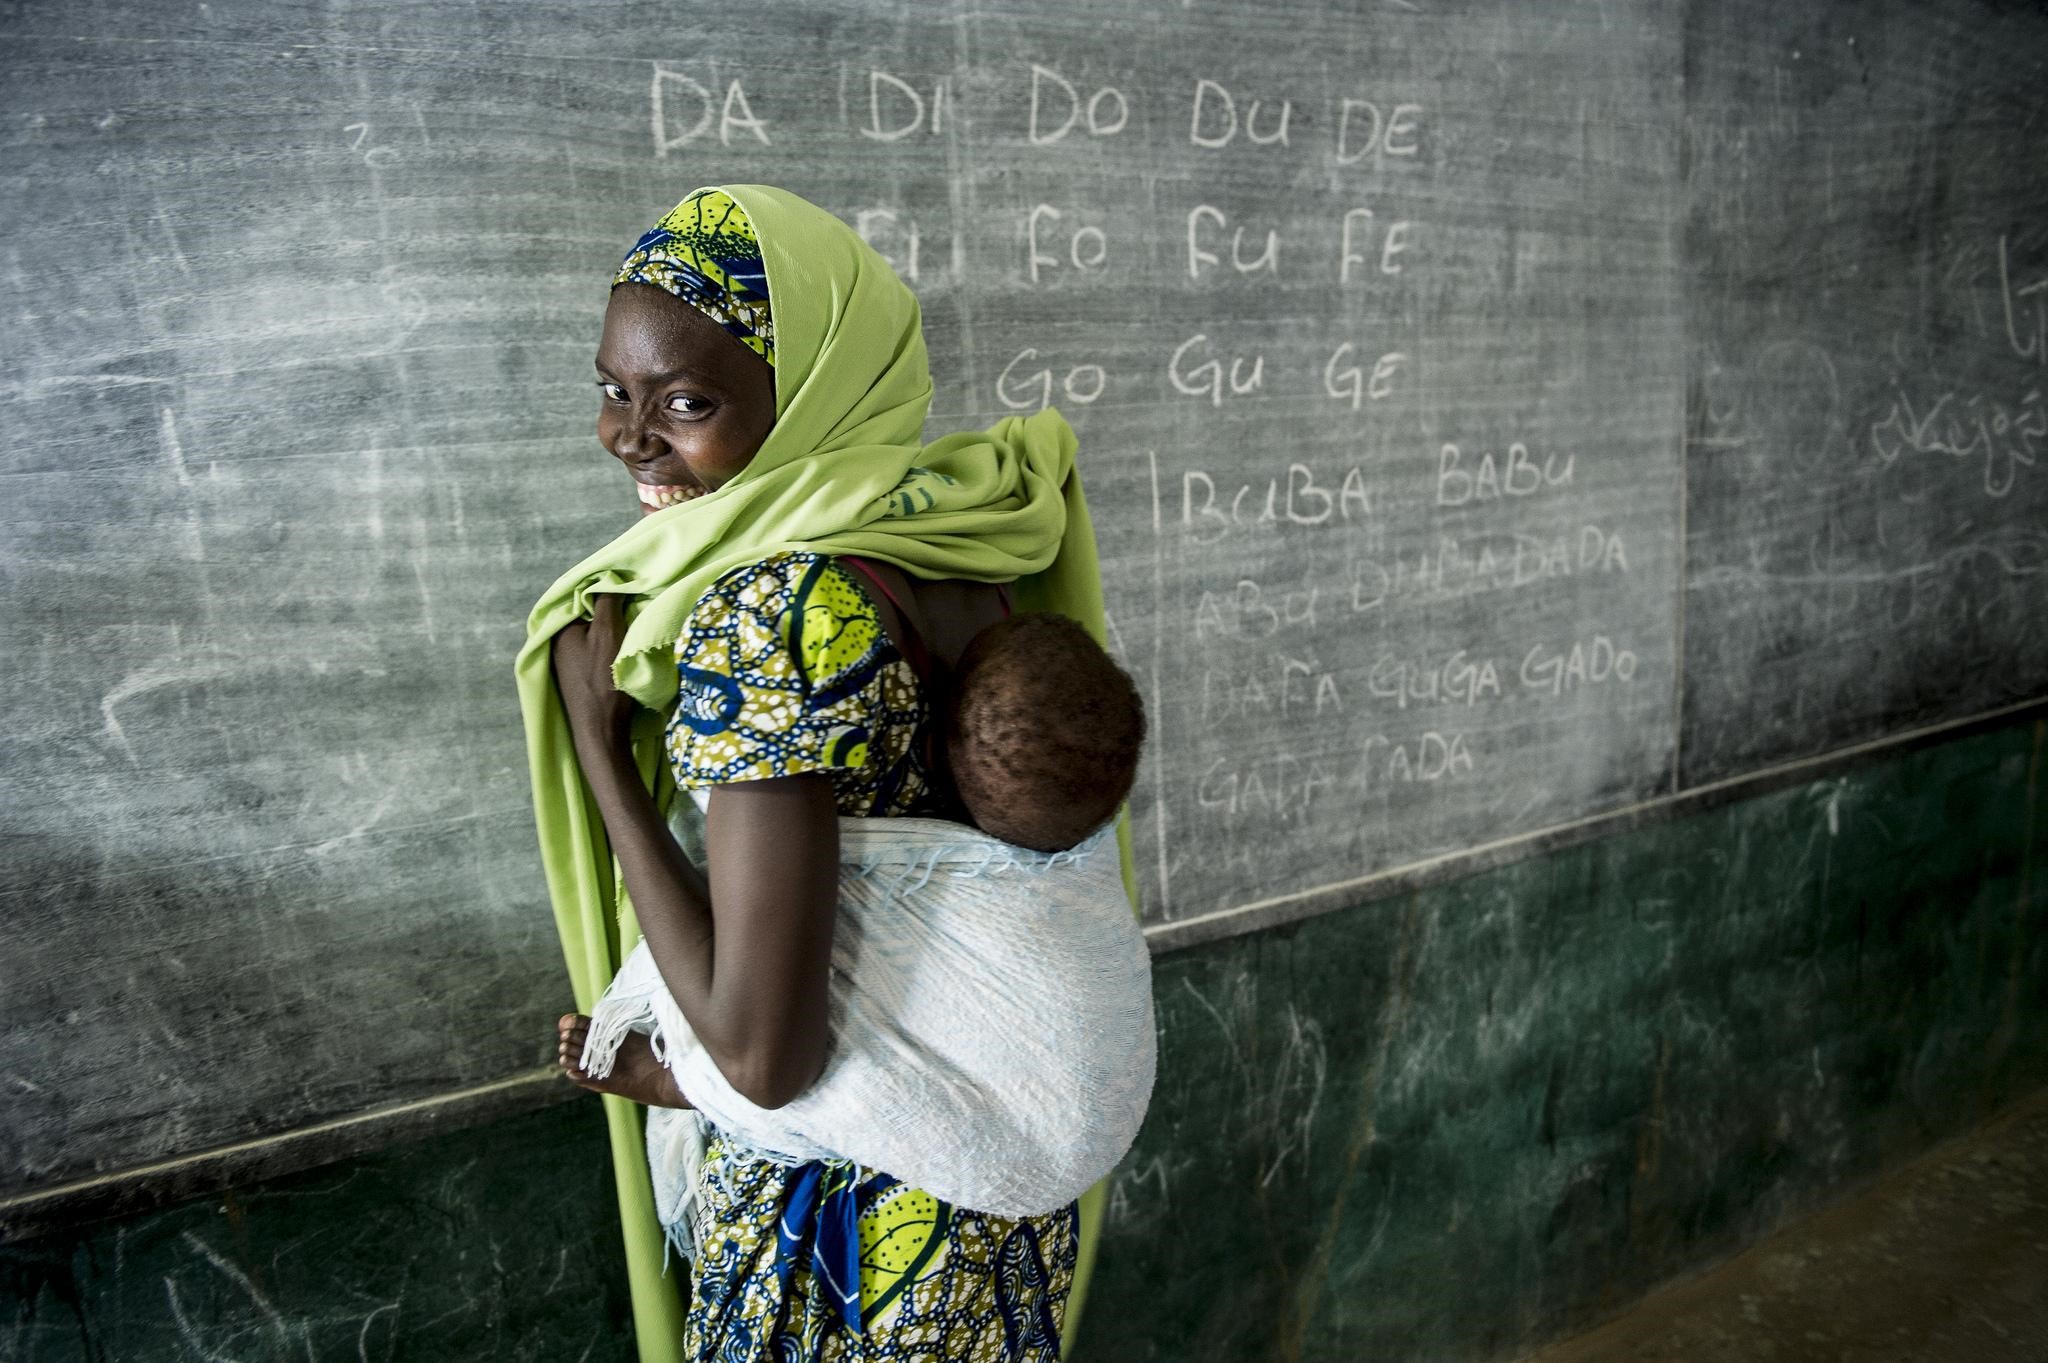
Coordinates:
(636, 1074)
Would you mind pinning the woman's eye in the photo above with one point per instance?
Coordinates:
(688, 406)
(612, 391)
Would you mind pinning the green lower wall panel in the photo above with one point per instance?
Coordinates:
(495, 1243)
(1450, 1125)
(1457, 1124)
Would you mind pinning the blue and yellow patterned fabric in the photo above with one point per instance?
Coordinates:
(936, 1283)
(704, 251)
(785, 667)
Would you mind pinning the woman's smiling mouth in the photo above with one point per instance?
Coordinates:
(665, 494)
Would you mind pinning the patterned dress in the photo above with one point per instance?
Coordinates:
(785, 668)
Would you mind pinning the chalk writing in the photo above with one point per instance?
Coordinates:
(1207, 377)
(1267, 260)
(1214, 121)
(1286, 686)
(2026, 312)
(1454, 567)
(2001, 438)
(1348, 382)
(1361, 130)
(1275, 1114)
(1354, 243)
(1519, 474)
(1142, 1191)
(676, 97)
(1277, 784)
(1087, 248)
(374, 157)
(896, 108)
(1031, 390)
(1433, 756)
(1553, 671)
(1292, 498)
(1458, 679)
(1250, 612)
(1286, 785)
(1104, 113)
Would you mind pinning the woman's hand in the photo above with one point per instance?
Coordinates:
(582, 654)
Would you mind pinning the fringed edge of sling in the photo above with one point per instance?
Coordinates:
(684, 1225)
(613, 1017)
(627, 1009)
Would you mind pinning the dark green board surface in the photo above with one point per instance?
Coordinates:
(496, 1243)
(1444, 1126)
(1456, 1124)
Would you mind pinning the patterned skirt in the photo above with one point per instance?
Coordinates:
(830, 1262)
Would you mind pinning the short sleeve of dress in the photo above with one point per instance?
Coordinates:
(785, 668)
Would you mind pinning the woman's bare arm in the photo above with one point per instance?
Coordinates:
(747, 953)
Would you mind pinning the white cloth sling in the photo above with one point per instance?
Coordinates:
(991, 1014)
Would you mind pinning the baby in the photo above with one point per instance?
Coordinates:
(1039, 733)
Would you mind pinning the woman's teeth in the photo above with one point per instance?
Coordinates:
(655, 494)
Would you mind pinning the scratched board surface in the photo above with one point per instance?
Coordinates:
(1867, 512)
(1371, 319)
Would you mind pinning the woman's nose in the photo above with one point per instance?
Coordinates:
(634, 442)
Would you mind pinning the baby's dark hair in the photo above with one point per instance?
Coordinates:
(1042, 732)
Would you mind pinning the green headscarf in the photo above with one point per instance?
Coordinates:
(843, 471)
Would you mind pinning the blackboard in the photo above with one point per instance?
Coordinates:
(1867, 461)
(1403, 341)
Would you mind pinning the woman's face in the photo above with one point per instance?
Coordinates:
(685, 406)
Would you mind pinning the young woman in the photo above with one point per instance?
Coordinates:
(763, 381)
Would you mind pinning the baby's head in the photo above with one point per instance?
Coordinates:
(1042, 733)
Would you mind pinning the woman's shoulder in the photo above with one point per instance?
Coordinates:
(804, 599)
(764, 579)
(762, 590)
(784, 667)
